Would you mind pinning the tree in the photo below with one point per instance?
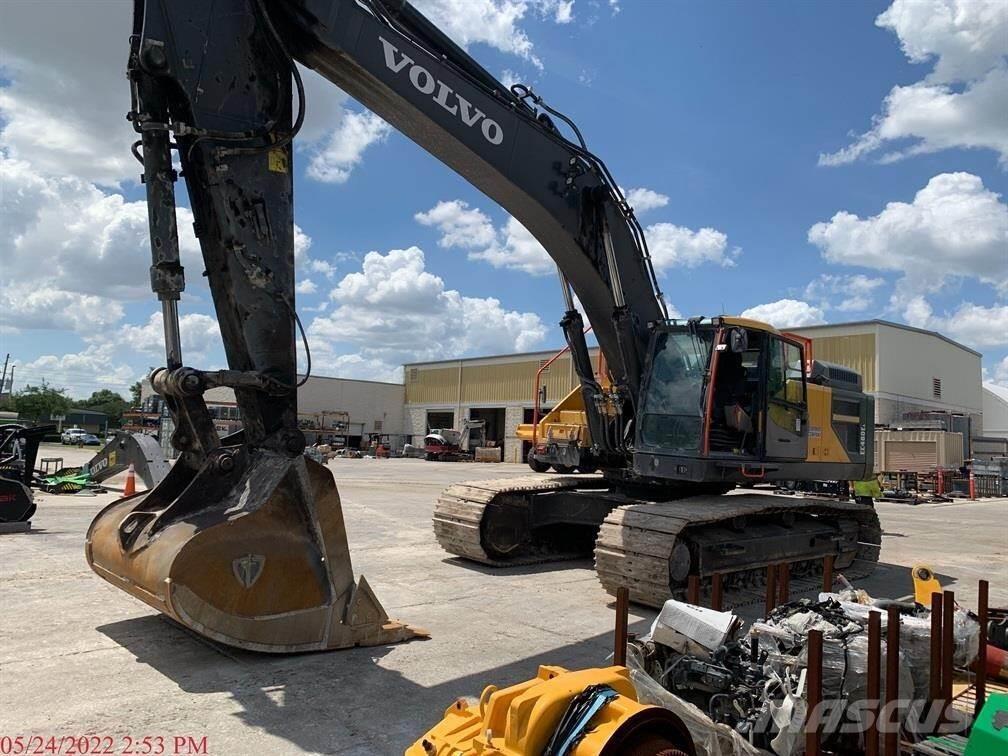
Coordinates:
(135, 394)
(40, 403)
(109, 402)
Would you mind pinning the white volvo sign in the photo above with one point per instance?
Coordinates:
(425, 83)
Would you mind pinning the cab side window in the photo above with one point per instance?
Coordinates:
(786, 385)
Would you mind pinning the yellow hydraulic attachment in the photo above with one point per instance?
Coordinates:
(925, 583)
(523, 720)
(565, 423)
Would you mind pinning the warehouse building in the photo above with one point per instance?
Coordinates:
(911, 372)
(337, 411)
(497, 389)
(995, 411)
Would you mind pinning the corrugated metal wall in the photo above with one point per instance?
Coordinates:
(514, 382)
(432, 385)
(856, 352)
(489, 384)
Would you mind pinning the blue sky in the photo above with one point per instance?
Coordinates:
(754, 121)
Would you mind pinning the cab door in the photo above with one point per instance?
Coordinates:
(786, 427)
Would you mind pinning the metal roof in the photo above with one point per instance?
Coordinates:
(791, 329)
(889, 323)
(547, 353)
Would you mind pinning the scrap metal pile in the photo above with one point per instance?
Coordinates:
(745, 692)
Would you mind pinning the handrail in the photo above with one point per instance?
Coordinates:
(535, 396)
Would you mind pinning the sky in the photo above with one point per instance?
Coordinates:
(796, 162)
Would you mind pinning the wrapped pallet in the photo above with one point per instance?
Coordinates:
(917, 451)
(489, 454)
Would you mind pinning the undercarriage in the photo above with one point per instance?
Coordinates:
(652, 546)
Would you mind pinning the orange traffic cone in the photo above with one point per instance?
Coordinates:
(130, 481)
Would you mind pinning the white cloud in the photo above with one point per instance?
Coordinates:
(65, 104)
(786, 313)
(509, 78)
(936, 117)
(967, 37)
(302, 243)
(393, 311)
(998, 375)
(306, 286)
(564, 11)
(460, 225)
(335, 157)
(518, 250)
(674, 246)
(844, 293)
(324, 267)
(199, 334)
(642, 199)
(972, 324)
(953, 227)
(73, 236)
(968, 41)
(510, 246)
(64, 111)
(28, 307)
(496, 23)
(80, 373)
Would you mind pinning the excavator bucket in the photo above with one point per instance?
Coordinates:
(249, 550)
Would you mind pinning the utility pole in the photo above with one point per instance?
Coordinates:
(3, 379)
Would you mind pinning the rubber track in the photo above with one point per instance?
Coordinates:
(636, 540)
(459, 512)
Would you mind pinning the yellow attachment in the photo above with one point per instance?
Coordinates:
(520, 720)
(565, 422)
(925, 583)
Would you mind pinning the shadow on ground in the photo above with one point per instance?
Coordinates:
(524, 569)
(349, 701)
(343, 702)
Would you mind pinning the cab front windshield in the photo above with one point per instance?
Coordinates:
(672, 412)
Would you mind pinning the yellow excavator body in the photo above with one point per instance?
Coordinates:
(522, 719)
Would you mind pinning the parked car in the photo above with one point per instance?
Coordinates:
(72, 435)
(89, 439)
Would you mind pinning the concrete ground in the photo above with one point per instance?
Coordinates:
(78, 657)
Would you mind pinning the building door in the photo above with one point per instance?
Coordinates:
(494, 418)
(440, 420)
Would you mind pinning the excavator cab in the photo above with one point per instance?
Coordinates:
(728, 399)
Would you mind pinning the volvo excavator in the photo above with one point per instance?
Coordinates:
(244, 540)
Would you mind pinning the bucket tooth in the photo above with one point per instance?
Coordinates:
(250, 550)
